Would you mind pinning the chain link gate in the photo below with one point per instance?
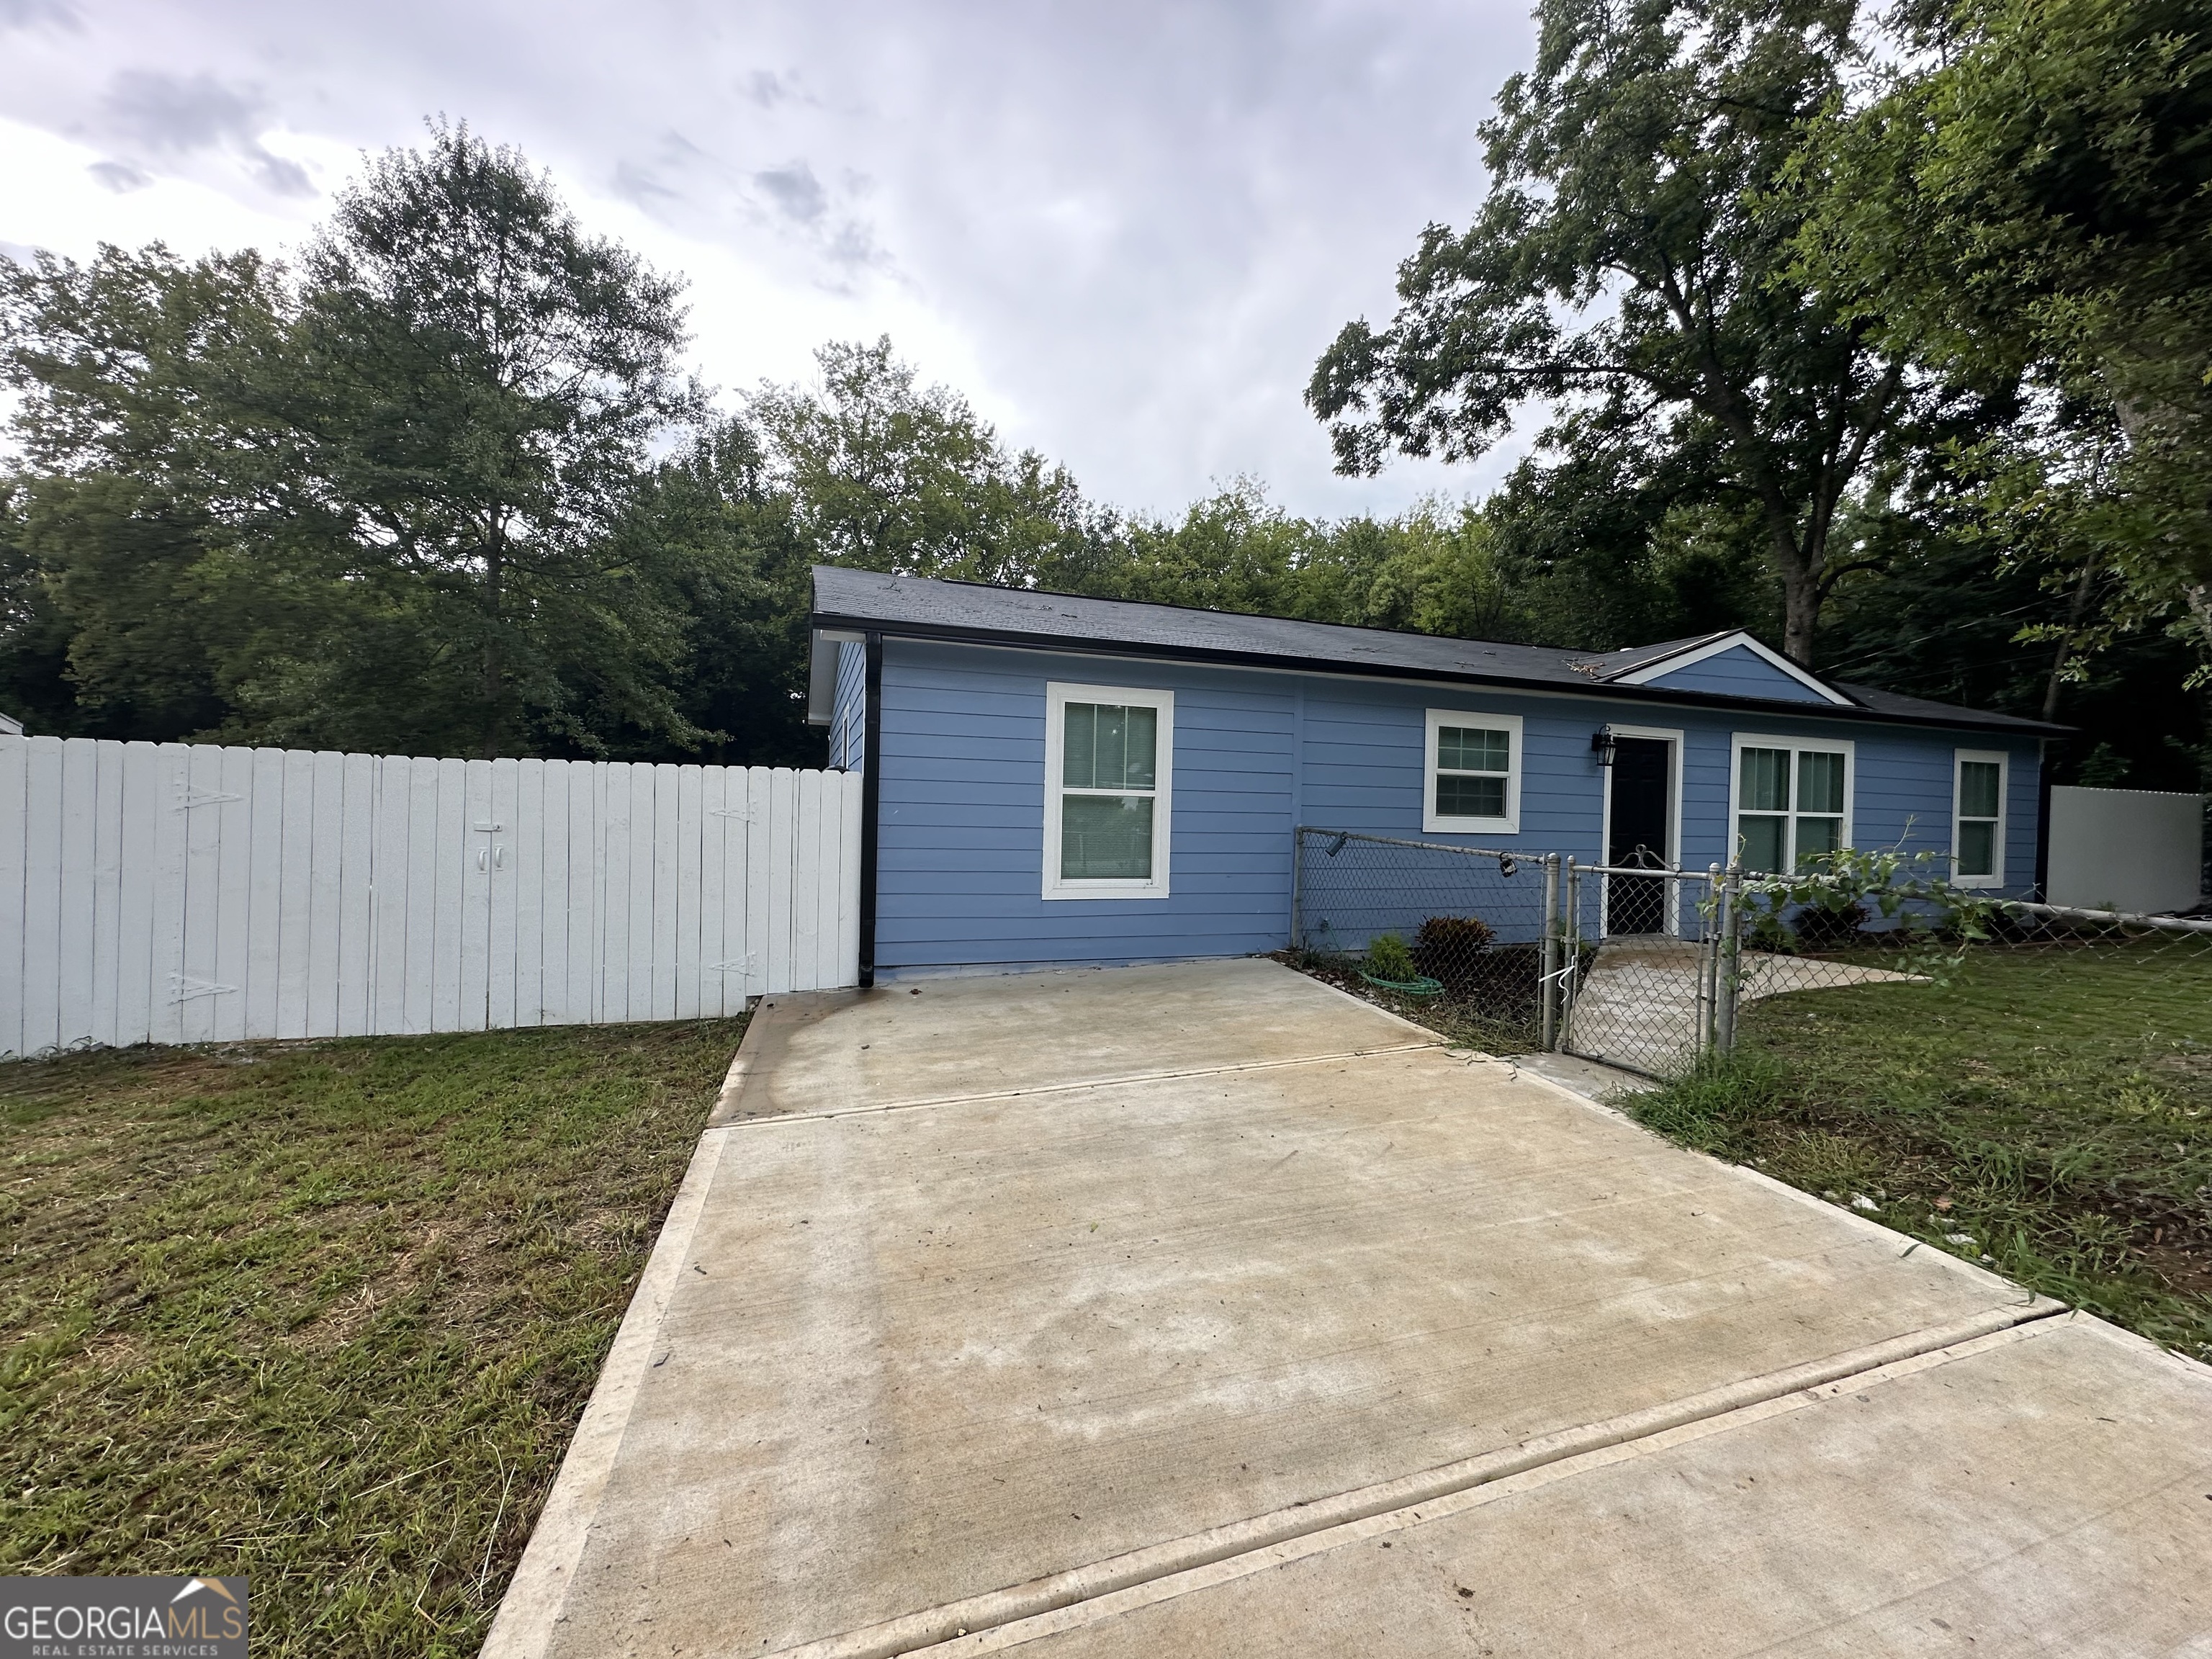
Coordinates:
(1518, 953)
(1651, 968)
(1650, 974)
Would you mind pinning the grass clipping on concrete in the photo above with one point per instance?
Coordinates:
(324, 1314)
(2047, 1113)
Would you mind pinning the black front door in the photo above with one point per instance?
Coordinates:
(1643, 789)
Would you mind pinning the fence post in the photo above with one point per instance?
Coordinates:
(1298, 886)
(1709, 985)
(1570, 947)
(1548, 983)
(1731, 956)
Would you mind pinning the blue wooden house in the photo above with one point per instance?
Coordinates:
(1055, 781)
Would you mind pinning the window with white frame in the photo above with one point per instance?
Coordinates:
(1791, 801)
(1977, 800)
(1473, 777)
(1109, 762)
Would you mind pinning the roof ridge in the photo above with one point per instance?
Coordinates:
(1562, 651)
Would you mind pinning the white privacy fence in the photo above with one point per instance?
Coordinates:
(183, 893)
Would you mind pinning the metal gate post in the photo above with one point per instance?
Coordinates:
(1571, 948)
(1731, 960)
(1298, 885)
(1547, 984)
(1709, 976)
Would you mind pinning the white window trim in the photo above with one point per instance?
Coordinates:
(2003, 762)
(1739, 741)
(1432, 821)
(1057, 695)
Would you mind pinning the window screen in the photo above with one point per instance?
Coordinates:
(1790, 805)
(1981, 792)
(1108, 780)
(1473, 765)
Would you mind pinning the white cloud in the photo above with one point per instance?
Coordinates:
(1125, 232)
(67, 195)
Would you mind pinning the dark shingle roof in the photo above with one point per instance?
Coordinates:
(917, 607)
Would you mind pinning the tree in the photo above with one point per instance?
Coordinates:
(739, 569)
(371, 504)
(1431, 569)
(2030, 196)
(34, 637)
(472, 392)
(132, 485)
(1618, 540)
(889, 475)
(1631, 267)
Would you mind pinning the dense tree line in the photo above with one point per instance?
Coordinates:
(1888, 333)
(1885, 336)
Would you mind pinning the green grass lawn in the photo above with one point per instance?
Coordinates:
(324, 1314)
(2048, 1108)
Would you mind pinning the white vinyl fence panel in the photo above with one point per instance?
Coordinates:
(186, 893)
(2137, 850)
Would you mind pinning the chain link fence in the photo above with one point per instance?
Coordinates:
(1650, 968)
(2122, 983)
(1642, 993)
(1461, 938)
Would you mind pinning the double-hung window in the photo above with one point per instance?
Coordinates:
(1977, 818)
(1792, 802)
(1473, 776)
(1109, 762)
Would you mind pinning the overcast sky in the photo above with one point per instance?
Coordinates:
(1124, 229)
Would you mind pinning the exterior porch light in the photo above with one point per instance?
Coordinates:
(1601, 743)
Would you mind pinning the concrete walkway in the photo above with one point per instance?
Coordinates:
(1642, 1003)
(1206, 1310)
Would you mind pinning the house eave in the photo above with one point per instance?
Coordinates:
(1598, 690)
(822, 672)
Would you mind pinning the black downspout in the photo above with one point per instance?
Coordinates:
(872, 796)
(2042, 821)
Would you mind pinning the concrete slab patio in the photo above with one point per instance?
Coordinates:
(1047, 1308)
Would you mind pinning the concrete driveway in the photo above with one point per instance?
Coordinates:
(1204, 1310)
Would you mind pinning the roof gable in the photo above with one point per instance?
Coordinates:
(1733, 666)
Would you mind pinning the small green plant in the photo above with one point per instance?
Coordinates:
(1389, 958)
(1926, 919)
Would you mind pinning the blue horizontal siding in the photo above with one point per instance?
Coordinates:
(1738, 673)
(848, 730)
(962, 849)
(962, 846)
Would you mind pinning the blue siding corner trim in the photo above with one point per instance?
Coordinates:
(849, 716)
(962, 775)
(1736, 673)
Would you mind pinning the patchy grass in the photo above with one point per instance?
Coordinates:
(324, 1314)
(2049, 1113)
